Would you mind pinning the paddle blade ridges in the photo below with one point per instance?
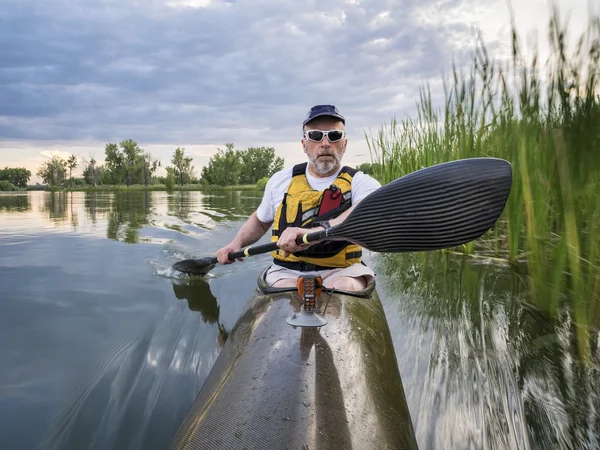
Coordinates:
(440, 207)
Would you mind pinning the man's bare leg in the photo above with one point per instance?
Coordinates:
(350, 284)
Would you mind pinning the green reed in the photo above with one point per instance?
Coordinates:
(546, 122)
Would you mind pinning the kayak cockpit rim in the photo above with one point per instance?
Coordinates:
(265, 289)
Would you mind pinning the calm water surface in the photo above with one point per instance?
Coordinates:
(103, 346)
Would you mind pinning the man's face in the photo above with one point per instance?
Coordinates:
(324, 157)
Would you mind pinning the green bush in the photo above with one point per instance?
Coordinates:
(170, 181)
(262, 183)
(7, 186)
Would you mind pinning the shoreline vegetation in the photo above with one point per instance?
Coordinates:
(141, 187)
(546, 122)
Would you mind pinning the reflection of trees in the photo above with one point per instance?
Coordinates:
(513, 371)
(97, 204)
(200, 298)
(55, 205)
(18, 202)
(127, 214)
(230, 205)
(180, 204)
(74, 216)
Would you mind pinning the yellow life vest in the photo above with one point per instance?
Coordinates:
(301, 205)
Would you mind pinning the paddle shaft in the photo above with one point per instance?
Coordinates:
(272, 246)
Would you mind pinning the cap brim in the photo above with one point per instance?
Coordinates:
(326, 115)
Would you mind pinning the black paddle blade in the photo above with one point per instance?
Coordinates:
(195, 266)
(438, 207)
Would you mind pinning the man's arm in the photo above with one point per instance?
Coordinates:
(252, 230)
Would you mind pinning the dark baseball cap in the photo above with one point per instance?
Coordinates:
(323, 110)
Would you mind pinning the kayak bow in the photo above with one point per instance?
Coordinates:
(274, 386)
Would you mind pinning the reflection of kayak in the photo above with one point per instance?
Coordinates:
(276, 387)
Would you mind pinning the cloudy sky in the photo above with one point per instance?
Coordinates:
(76, 74)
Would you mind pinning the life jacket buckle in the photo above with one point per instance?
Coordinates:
(335, 191)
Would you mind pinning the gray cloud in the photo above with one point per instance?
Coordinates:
(105, 70)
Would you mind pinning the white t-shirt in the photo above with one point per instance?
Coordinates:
(362, 185)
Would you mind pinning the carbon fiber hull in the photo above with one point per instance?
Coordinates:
(276, 387)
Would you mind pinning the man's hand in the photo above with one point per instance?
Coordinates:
(287, 240)
(223, 253)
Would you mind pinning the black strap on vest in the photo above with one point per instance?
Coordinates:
(300, 169)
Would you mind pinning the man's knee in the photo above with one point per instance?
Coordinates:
(346, 283)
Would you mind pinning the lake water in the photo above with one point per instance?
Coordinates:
(103, 346)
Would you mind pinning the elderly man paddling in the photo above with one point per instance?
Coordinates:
(309, 197)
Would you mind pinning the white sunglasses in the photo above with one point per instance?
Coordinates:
(318, 135)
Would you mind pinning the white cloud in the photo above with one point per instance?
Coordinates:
(190, 3)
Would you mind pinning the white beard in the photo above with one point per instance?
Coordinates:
(326, 166)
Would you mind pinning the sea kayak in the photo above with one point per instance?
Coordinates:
(274, 386)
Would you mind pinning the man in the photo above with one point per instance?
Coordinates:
(311, 197)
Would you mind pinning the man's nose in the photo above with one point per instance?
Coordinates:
(325, 142)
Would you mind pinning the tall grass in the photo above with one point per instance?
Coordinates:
(548, 127)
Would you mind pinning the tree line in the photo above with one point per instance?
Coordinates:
(126, 163)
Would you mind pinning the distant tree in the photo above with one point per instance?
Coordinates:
(182, 165)
(17, 176)
(149, 166)
(114, 161)
(53, 172)
(92, 174)
(72, 165)
(224, 168)
(259, 162)
(131, 161)
(170, 179)
(128, 163)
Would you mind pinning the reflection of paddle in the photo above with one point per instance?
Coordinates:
(200, 298)
(438, 207)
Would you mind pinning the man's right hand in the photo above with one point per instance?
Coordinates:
(223, 253)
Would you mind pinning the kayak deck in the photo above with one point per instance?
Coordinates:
(276, 387)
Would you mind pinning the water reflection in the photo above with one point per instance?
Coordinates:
(180, 205)
(17, 203)
(200, 298)
(59, 208)
(120, 215)
(128, 213)
(231, 205)
(499, 374)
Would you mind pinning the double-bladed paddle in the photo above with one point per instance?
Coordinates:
(437, 207)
